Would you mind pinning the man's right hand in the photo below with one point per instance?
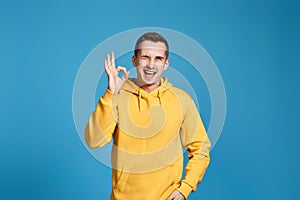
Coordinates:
(114, 81)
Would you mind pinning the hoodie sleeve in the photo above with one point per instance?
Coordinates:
(196, 141)
(102, 123)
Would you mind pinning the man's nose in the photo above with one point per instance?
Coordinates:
(151, 64)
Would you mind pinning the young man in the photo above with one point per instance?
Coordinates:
(150, 120)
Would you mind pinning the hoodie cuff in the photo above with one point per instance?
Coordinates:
(108, 95)
(185, 189)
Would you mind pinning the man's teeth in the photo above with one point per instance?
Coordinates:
(149, 73)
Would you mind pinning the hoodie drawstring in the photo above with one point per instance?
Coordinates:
(139, 100)
(159, 97)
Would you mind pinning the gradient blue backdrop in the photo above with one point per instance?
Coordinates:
(255, 45)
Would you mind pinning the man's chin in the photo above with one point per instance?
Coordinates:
(149, 82)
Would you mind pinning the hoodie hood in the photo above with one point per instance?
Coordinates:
(130, 86)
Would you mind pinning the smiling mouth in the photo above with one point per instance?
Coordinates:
(150, 73)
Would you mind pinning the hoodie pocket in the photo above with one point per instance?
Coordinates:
(120, 178)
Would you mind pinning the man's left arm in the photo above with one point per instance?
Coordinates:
(196, 141)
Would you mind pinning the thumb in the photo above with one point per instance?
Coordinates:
(126, 75)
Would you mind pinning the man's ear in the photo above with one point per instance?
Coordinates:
(133, 58)
(167, 64)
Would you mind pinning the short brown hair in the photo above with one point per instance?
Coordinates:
(153, 37)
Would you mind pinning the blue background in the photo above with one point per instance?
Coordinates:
(254, 44)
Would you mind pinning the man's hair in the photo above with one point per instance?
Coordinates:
(153, 37)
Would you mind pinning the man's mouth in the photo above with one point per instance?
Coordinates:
(149, 73)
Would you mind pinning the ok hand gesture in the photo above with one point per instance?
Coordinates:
(114, 81)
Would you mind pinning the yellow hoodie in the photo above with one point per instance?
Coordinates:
(149, 131)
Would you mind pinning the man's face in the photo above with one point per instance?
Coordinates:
(150, 62)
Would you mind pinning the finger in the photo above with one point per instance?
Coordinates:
(120, 68)
(108, 61)
(125, 76)
(113, 59)
(106, 66)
